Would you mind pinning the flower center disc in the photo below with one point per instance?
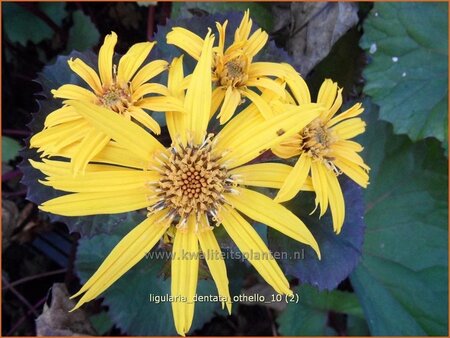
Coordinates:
(115, 98)
(316, 140)
(193, 182)
(234, 72)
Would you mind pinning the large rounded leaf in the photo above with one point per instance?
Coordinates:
(310, 315)
(407, 76)
(402, 281)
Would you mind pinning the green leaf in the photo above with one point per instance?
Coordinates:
(309, 316)
(10, 149)
(259, 12)
(340, 253)
(402, 279)
(408, 46)
(83, 34)
(357, 326)
(101, 322)
(22, 26)
(56, 11)
(128, 299)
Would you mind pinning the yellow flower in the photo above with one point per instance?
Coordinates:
(120, 89)
(233, 71)
(199, 181)
(325, 150)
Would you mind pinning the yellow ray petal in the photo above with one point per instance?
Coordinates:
(267, 83)
(186, 40)
(111, 154)
(215, 261)
(128, 252)
(256, 42)
(49, 167)
(103, 181)
(221, 29)
(245, 119)
(198, 95)
(60, 168)
(263, 209)
(217, 98)
(253, 247)
(269, 175)
(91, 145)
(295, 180)
(61, 115)
(126, 133)
(336, 201)
(244, 124)
(289, 99)
(320, 183)
(145, 119)
(251, 141)
(259, 69)
(52, 139)
(149, 88)
(162, 104)
(288, 148)
(186, 81)
(234, 51)
(184, 276)
(176, 78)
(176, 122)
(243, 31)
(334, 108)
(83, 204)
(259, 102)
(132, 60)
(75, 138)
(86, 73)
(349, 145)
(114, 154)
(354, 171)
(286, 152)
(74, 92)
(344, 150)
(105, 58)
(349, 128)
(297, 85)
(308, 186)
(279, 107)
(355, 110)
(327, 93)
(230, 103)
(148, 72)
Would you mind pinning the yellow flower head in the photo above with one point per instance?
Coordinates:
(119, 88)
(233, 69)
(325, 149)
(200, 181)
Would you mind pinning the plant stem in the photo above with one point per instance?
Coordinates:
(31, 278)
(20, 297)
(22, 319)
(16, 132)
